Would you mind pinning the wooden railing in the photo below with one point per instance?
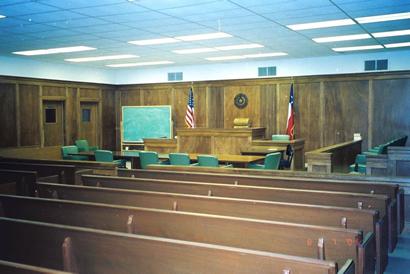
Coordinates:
(334, 158)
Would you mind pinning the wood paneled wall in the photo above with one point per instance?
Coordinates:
(329, 109)
(21, 110)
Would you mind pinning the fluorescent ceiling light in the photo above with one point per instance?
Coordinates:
(242, 46)
(231, 47)
(323, 24)
(220, 58)
(341, 38)
(383, 18)
(271, 54)
(191, 51)
(357, 48)
(101, 58)
(157, 41)
(398, 45)
(392, 33)
(2, 16)
(53, 50)
(140, 64)
(238, 57)
(205, 36)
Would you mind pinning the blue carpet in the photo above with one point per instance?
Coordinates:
(399, 260)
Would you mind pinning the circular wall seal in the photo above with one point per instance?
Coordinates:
(240, 100)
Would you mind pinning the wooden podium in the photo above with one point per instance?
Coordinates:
(217, 140)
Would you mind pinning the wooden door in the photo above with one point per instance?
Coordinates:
(54, 123)
(89, 122)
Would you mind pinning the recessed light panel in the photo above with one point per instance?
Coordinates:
(391, 33)
(238, 57)
(157, 41)
(260, 55)
(53, 50)
(398, 45)
(341, 38)
(101, 58)
(383, 18)
(140, 64)
(323, 24)
(205, 36)
(242, 46)
(192, 51)
(357, 48)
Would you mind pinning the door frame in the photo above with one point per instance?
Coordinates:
(99, 130)
(64, 113)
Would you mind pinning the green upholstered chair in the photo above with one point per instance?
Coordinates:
(209, 161)
(272, 161)
(179, 159)
(280, 137)
(83, 146)
(66, 150)
(149, 158)
(359, 165)
(107, 156)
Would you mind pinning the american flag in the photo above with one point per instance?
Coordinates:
(190, 113)
(290, 124)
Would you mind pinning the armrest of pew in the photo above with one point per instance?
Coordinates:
(348, 268)
(50, 179)
(400, 206)
(8, 188)
(367, 254)
(12, 267)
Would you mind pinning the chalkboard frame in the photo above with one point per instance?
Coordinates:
(154, 120)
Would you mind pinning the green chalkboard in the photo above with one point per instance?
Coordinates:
(146, 122)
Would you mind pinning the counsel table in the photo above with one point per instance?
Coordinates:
(133, 156)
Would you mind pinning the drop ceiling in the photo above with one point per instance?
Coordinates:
(108, 26)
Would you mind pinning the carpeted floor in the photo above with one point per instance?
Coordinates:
(399, 260)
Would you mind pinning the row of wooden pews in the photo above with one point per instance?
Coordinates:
(156, 223)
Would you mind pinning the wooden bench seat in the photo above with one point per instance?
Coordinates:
(331, 198)
(294, 239)
(180, 202)
(396, 206)
(64, 173)
(7, 267)
(96, 251)
(18, 181)
(101, 168)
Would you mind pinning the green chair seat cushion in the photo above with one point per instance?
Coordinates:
(256, 166)
(67, 150)
(83, 146)
(179, 159)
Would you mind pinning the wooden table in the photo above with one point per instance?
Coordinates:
(262, 151)
(133, 156)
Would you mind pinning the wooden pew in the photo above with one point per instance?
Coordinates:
(101, 168)
(248, 192)
(178, 202)
(113, 252)
(292, 239)
(19, 182)
(64, 173)
(369, 184)
(7, 267)
(395, 208)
